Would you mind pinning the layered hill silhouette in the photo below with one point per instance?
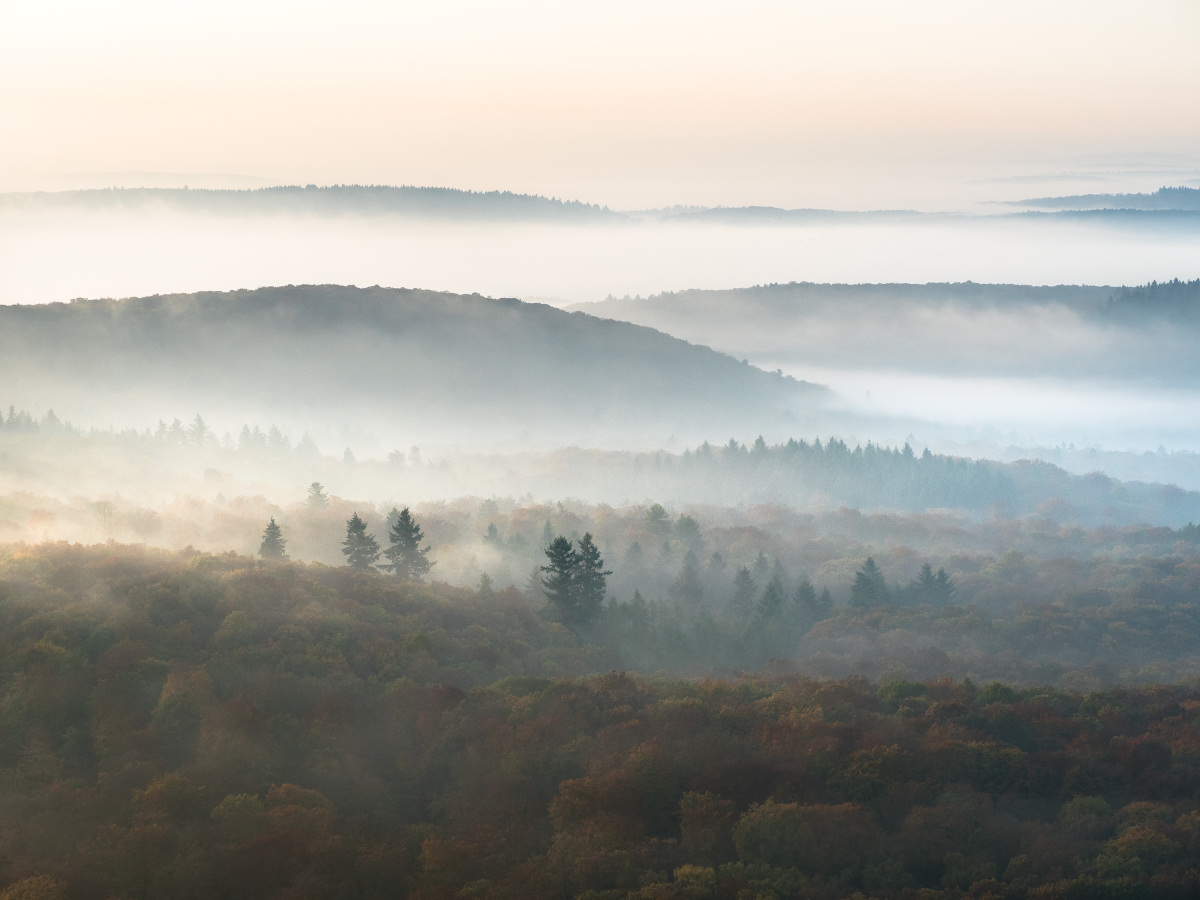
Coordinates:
(996, 330)
(1165, 198)
(406, 201)
(369, 359)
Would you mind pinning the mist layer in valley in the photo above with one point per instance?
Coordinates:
(137, 242)
(967, 370)
(970, 365)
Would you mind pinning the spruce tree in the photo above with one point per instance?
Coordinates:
(687, 588)
(558, 577)
(744, 587)
(805, 600)
(273, 544)
(825, 604)
(770, 604)
(317, 498)
(406, 558)
(361, 549)
(591, 580)
(924, 586)
(944, 589)
(869, 588)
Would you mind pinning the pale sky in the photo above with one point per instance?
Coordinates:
(851, 104)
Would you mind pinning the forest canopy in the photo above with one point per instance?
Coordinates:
(193, 725)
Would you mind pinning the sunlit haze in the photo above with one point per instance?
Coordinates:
(848, 105)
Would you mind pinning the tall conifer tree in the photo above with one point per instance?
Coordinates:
(407, 559)
(361, 549)
(273, 545)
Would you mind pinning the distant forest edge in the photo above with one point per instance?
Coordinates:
(1172, 206)
(1165, 198)
(1175, 299)
(338, 199)
(801, 474)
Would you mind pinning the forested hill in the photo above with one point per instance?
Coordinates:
(369, 358)
(955, 329)
(338, 199)
(1174, 301)
(1173, 198)
(800, 296)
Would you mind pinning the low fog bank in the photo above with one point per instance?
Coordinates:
(722, 558)
(965, 330)
(145, 474)
(980, 363)
(64, 251)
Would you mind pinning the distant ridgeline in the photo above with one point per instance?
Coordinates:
(338, 199)
(799, 473)
(796, 295)
(1165, 198)
(1177, 301)
(332, 353)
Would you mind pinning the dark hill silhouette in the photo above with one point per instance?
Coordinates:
(1165, 198)
(339, 199)
(437, 362)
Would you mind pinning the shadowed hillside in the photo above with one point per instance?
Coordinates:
(438, 364)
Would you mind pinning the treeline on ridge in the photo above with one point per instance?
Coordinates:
(812, 474)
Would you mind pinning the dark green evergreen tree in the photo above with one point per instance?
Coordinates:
(744, 589)
(406, 558)
(869, 588)
(687, 589)
(361, 549)
(687, 532)
(825, 604)
(770, 604)
(591, 580)
(944, 589)
(574, 582)
(805, 600)
(486, 589)
(936, 589)
(924, 586)
(273, 544)
(558, 577)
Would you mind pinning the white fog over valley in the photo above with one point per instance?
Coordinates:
(1004, 374)
(624, 450)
